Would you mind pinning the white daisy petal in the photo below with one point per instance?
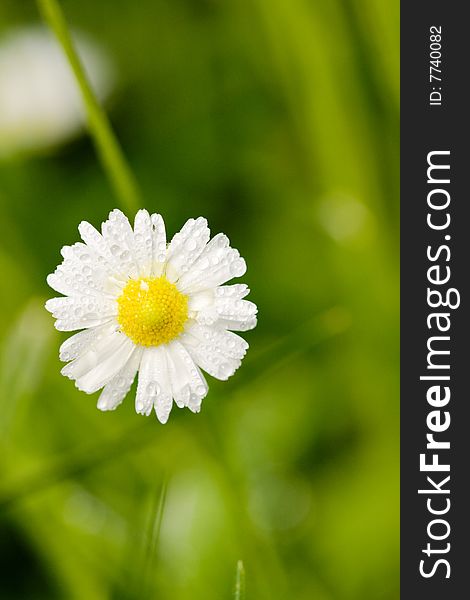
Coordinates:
(96, 351)
(78, 250)
(74, 277)
(159, 249)
(229, 312)
(115, 391)
(238, 324)
(119, 237)
(94, 240)
(148, 308)
(191, 375)
(145, 396)
(200, 300)
(237, 291)
(62, 281)
(91, 270)
(79, 312)
(205, 299)
(116, 226)
(80, 342)
(153, 389)
(207, 356)
(227, 343)
(143, 242)
(106, 368)
(185, 247)
(164, 400)
(179, 378)
(217, 264)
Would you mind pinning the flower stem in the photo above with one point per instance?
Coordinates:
(240, 582)
(108, 147)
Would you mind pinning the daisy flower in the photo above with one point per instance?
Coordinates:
(150, 307)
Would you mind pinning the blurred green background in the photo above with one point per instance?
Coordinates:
(278, 121)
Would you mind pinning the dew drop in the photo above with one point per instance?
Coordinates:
(153, 388)
(191, 245)
(237, 268)
(224, 370)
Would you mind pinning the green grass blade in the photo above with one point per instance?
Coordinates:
(152, 540)
(108, 147)
(239, 593)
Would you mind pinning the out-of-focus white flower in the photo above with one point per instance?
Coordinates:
(152, 307)
(40, 104)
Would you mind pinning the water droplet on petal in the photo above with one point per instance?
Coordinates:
(224, 370)
(153, 388)
(191, 244)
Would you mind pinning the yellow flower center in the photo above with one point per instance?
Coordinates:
(152, 311)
